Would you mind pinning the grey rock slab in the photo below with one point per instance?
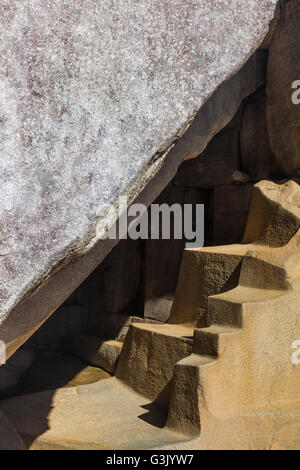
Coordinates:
(92, 96)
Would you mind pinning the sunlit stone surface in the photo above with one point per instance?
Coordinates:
(90, 92)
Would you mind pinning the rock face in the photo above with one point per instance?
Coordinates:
(216, 165)
(221, 372)
(93, 95)
(11, 372)
(283, 71)
(256, 154)
(9, 438)
(230, 207)
(104, 354)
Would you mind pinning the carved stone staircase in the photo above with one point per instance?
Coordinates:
(219, 374)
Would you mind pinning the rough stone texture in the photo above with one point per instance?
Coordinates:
(113, 289)
(102, 305)
(229, 385)
(230, 209)
(162, 258)
(9, 438)
(202, 273)
(216, 165)
(256, 153)
(148, 357)
(16, 366)
(95, 351)
(90, 94)
(68, 319)
(283, 70)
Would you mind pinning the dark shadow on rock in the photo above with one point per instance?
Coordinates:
(157, 411)
(233, 280)
(30, 401)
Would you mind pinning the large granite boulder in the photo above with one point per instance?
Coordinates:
(93, 96)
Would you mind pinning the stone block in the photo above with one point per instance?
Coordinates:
(95, 351)
(230, 209)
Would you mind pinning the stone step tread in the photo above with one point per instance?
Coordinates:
(168, 329)
(244, 294)
(196, 360)
(235, 249)
(217, 330)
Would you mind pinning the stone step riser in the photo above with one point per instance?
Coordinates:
(222, 312)
(212, 343)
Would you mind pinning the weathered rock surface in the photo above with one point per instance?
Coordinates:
(216, 165)
(9, 438)
(230, 206)
(256, 153)
(12, 371)
(230, 383)
(163, 257)
(95, 351)
(283, 70)
(92, 97)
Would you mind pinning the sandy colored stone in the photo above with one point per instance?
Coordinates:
(52, 370)
(163, 257)
(229, 384)
(202, 273)
(149, 355)
(95, 351)
(242, 360)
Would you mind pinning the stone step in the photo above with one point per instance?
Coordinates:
(222, 311)
(208, 342)
(196, 360)
(149, 355)
(184, 332)
(227, 308)
(95, 351)
(264, 270)
(204, 272)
